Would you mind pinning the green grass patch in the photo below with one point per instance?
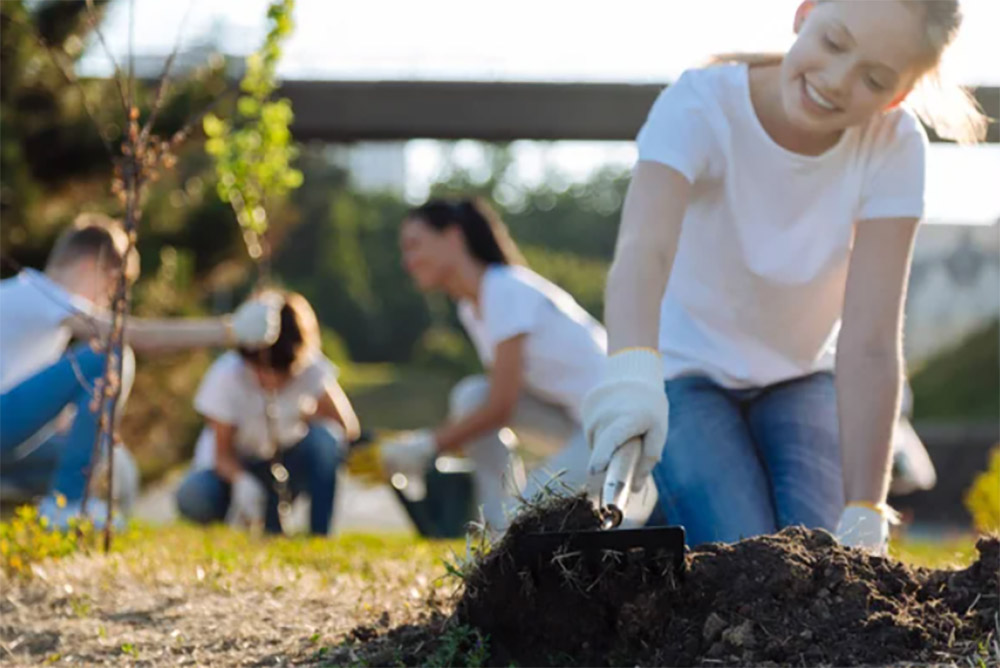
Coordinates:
(460, 646)
(238, 550)
(24, 541)
(956, 552)
(217, 550)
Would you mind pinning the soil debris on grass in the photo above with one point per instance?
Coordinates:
(797, 597)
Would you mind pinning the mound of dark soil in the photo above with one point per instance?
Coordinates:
(797, 597)
(791, 598)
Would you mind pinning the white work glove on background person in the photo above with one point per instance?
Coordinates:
(257, 322)
(410, 453)
(865, 526)
(247, 501)
(630, 402)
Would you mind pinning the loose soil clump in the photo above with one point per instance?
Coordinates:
(797, 597)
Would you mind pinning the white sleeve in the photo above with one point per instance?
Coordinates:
(216, 398)
(76, 304)
(59, 303)
(676, 132)
(318, 374)
(511, 307)
(894, 183)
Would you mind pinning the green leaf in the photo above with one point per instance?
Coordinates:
(215, 146)
(247, 106)
(213, 125)
(253, 162)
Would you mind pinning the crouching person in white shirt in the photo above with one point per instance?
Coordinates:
(542, 351)
(264, 406)
(47, 389)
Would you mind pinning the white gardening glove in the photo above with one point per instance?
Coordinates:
(630, 402)
(247, 501)
(865, 526)
(410, 453)
(257, 322)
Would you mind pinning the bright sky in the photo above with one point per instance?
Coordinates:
(568, 40)
(631, 40)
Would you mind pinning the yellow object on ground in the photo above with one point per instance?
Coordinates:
(983, 498)
(364, 463)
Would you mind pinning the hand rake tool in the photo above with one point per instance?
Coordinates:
(613, 503)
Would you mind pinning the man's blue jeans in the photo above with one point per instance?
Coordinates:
(312, 463)
(59, 464)
(741, 463)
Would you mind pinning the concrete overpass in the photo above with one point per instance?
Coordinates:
(346, 111)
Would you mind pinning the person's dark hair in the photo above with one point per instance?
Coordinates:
(485, 234)
(96, 236)
(298, 339)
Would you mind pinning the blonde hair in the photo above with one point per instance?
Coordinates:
(946, 107)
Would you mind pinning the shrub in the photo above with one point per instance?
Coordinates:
(27, 539)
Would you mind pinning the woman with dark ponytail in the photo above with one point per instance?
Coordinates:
(541, 350)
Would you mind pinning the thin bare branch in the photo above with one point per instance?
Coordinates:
(122, 309)
(95, 451)
(96, 27)
(164, 80)
(114, 348)
(131, 56)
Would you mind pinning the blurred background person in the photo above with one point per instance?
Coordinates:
(280, 404)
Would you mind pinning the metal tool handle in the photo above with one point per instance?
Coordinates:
(618, 482)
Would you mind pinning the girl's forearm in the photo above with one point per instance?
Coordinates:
(334, 405)
(636, 283)
(652, 216)
(870, 354)
(227, 466)
(868, 392)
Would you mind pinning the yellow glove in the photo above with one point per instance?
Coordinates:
(364, 463)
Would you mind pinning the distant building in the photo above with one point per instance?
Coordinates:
(954, 286)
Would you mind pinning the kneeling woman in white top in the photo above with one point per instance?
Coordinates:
(543, 352)
(264, 406)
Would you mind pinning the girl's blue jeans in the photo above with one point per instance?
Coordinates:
(312, 463)
(60, 463)
(741, 463)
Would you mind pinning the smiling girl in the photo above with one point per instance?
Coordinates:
(761, 272)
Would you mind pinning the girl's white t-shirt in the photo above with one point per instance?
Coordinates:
(230, 393)
(756, 293)
(565, 347)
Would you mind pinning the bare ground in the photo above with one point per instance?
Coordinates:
(159, 607)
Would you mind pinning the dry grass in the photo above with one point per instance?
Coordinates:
(187, 596)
